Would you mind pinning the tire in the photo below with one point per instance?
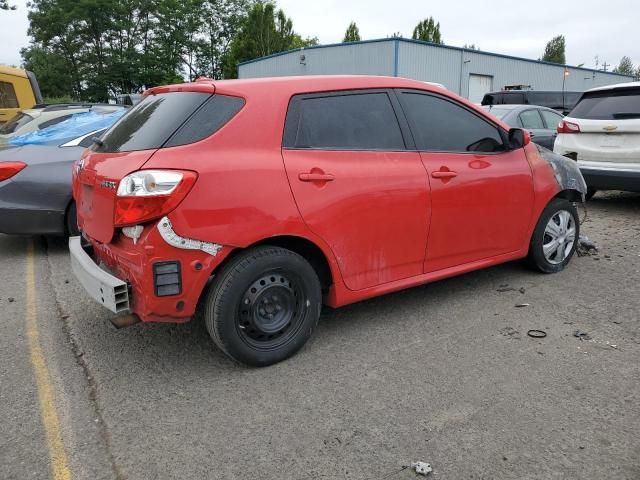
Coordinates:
(590, 193)
(71, 221)
(263, 306)
(563, 214)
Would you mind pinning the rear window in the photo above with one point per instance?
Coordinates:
(8, 97)
(609, 105)
(159, 120)
(498, 112)
(18, 121)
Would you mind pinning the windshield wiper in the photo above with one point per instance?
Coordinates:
(626, 115)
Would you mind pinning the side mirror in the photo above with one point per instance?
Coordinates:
(518, 138)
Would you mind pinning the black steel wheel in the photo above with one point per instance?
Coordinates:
(263, 306)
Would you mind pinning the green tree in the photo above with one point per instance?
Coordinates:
(4, 5)
(97, 49)
(471, 46)
(352, 34)
(554, 52)
(262, 33)
(428, 31)
(625, 67)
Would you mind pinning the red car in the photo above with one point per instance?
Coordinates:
(257, 201)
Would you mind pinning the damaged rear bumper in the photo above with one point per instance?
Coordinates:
(111, 292)
(165, 281)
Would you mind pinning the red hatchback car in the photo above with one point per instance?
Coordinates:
(256, 201)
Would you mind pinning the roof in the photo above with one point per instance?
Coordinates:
(16, 72)
(294, 84)
(438, 45)
(514, 106)
(617, 85)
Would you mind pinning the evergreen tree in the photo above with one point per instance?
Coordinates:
(428, 31)
(554, 52)
(352, 34)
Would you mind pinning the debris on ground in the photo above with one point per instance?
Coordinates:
(522, 290)
(537, 333)
(421, 468)
(11, 299)
(505, 289)
(581, 335)
(510, 332)
(522, 305)
(586, 247)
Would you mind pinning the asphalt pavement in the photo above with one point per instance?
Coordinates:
(444, 373)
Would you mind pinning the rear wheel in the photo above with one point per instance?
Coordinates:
(263, 306)
(555, 237)
(71, 221)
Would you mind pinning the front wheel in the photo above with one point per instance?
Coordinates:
(555, 237)
(263, 306)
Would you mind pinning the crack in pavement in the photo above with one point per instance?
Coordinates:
(78, 354)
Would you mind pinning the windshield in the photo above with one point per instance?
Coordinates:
(19, 120)
(609, 105)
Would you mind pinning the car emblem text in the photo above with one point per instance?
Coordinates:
(108, 184)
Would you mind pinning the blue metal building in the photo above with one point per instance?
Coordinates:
(470, 73)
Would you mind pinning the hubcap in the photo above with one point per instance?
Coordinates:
(270, 311)
(559, 237)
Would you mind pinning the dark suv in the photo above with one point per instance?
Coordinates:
(563, 102)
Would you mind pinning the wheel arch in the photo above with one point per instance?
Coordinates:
(304, 247)
(570, 194)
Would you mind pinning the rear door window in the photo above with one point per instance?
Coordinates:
(609, 105)
(531, 119)
(441, 125)
(356, 121)
(8, 97)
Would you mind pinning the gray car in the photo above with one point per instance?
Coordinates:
(35, 178)
(541, 122)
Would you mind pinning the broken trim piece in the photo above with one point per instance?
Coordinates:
(172, 238)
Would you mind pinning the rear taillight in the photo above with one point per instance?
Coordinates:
(149, 194)
(568, 127)
(9, 169)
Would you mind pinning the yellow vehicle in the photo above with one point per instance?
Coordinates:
(18, 90)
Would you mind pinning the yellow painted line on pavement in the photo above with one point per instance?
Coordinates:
(46, 393)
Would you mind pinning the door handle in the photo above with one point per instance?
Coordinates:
(444, 174)
(316, 177)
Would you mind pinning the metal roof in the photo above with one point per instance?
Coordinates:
(420, 42)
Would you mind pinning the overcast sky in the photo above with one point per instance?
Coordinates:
(608, 29)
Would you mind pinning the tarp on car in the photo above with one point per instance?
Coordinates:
(78, 125)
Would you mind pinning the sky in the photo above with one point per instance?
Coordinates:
(591, 27)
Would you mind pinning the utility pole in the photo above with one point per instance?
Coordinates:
(605, 65)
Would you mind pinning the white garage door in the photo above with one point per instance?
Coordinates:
(478, 86)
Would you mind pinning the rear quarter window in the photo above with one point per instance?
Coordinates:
(169, 119)
(609, 105)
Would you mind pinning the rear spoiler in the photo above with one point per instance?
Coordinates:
(201, 85)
